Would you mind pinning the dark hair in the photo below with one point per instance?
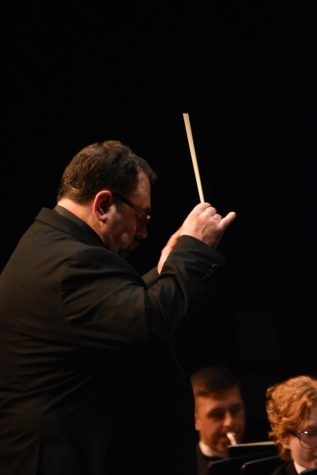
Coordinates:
(108, 164)
(213, 379)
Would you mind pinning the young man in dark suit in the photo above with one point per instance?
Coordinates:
(89, 383)
(219, 414)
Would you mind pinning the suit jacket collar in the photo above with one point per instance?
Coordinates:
(287, 468)
(76, 228)
(291, 470)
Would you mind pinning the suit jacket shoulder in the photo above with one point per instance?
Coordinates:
(286, 468)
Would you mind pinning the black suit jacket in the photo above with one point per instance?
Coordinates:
(204, 461)
(286, 468)
(89, 383)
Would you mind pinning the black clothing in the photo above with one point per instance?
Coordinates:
(204, 461)
(89, 383)
(286, 468)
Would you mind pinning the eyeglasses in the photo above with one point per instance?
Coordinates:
(145, 217)
(307, 438)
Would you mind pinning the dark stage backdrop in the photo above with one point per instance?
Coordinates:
(246, 74)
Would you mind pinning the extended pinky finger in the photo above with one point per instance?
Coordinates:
(227, 220)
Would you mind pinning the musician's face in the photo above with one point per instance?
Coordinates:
(302, 453)
(218, 414)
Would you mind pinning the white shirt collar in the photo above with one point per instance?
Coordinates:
(299, 468)
(206, 450)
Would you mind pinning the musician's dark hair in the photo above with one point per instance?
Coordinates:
(213, 379)
(109, 164)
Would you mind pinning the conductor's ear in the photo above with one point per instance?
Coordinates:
(102, 203)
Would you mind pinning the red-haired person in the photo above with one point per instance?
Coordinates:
(292, 413)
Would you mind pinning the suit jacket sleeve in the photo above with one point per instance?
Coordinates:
(113, 306)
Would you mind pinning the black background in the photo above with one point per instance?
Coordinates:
(246, 74)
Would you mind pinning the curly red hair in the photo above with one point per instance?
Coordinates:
(288, 406)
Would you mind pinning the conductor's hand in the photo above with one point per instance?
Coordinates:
(205, 224)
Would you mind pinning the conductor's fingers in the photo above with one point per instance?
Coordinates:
(227, 220)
